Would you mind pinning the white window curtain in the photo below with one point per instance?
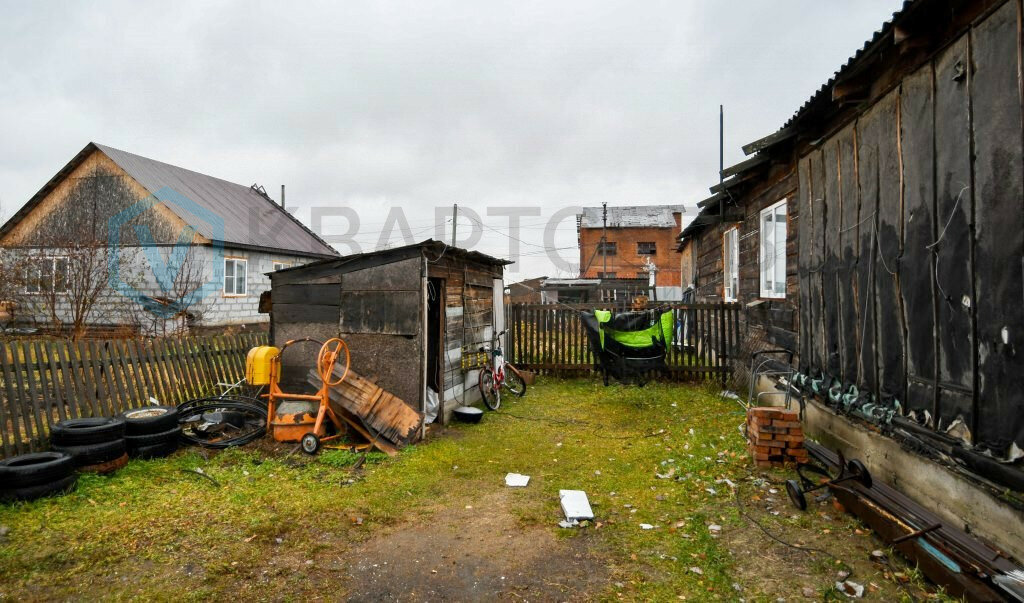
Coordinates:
(773, 251)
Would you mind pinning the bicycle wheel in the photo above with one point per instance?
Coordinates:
(491, 396)
(514, 381)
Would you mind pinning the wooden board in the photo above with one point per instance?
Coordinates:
(804, 228)
(385, 417)
(888, 336)
(917, 284)
(848, 282)
(329, 294)
(954, 208)
(830, 270)
(999, 228)
(383, 312)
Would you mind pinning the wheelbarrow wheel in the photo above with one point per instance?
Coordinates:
(796, 494)
(857, 468)
(310, 443)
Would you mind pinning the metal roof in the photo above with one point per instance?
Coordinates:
(250, 218)
(632, 216)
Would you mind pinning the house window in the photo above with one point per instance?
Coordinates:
(234, 276)
(731, 264)
(280, 266)
(773, 251)
(646, 248)
(608, 295)
(605, 275)
(47, 275)
(607, 248)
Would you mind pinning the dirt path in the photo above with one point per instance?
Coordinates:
(478, 554)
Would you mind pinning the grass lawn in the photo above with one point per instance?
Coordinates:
(437, 522)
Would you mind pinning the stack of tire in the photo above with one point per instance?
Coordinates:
(35, 475)
(152, 431)
(97, 445)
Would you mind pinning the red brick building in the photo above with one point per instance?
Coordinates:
(639, 239)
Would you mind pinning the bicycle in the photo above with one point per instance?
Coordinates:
(493, 378)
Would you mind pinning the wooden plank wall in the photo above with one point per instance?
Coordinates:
(919, 269)
(469, 321)
(45, 381)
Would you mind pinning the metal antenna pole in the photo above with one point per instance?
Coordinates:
(455, 222)
(721, 142)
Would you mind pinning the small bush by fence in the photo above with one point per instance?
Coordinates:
(42, 382)
(551, 339)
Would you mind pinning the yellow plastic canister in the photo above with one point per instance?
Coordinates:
(258, 364)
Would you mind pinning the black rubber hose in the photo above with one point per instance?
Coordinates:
(250, 406)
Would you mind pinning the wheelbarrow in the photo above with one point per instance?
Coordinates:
(798, 490)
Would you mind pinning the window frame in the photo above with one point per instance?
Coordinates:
(234, 277)
(604, 246)
(52, 290)
(765, 291)
(653, 251)
(731, 264)
(283, 265)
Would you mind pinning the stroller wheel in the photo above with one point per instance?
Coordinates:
(310, 443)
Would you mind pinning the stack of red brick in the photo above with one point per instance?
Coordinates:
(775, 437)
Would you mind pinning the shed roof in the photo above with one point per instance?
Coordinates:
(251, 219)
(435, 250)
(632, 216)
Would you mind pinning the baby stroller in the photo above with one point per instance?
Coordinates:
(629, 345)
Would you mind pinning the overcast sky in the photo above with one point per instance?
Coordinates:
(416, 105)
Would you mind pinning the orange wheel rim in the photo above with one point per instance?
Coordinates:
(330, 352)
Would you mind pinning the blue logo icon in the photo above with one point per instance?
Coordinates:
(166, 272)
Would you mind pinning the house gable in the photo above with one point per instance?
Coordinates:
(78, 202)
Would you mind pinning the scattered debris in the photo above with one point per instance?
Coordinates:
(809, 592)
(715, 529)
(696, 570)
(198, 471)
(516, 480)
(850, 589)
(575, 504)
(878, 556)
(646, 526)
(568, 523)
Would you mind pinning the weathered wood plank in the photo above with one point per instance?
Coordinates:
(999, 228)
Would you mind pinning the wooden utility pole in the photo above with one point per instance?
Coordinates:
(455, 222)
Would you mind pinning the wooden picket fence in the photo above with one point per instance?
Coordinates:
(551, 339)
(45, 381)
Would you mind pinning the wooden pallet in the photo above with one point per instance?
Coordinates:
(380, 416)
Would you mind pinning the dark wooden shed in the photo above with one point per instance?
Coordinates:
(409, 315)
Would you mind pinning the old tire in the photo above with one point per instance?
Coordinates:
(149, 420)
(34, 469)
(94, 454)
(59, 486)
(155, 451)
(82, 432)
(140, 441)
